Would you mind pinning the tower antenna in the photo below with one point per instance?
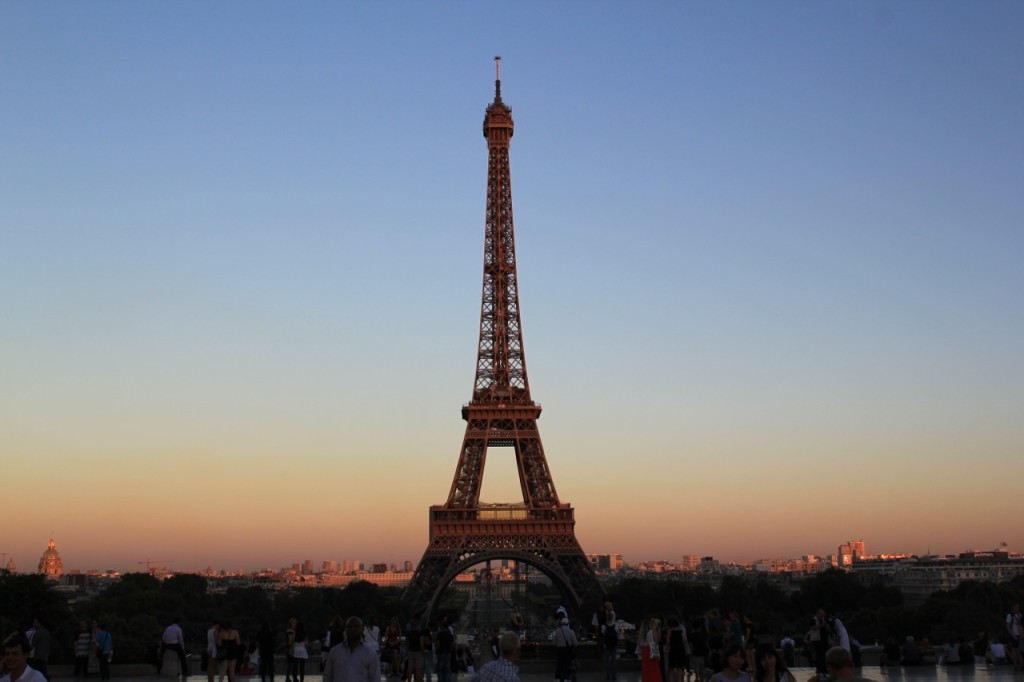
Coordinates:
(497, 79)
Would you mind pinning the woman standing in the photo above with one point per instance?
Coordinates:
(650, 654)
(392, 643)
(678, 657)
(289, 650)
(229, 645)
(299, 652)
(734, 658)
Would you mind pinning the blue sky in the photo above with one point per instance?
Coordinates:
(769, 261)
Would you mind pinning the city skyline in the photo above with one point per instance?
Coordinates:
(768, 261)
(51, 562)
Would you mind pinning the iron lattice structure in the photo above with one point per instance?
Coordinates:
(463, 531)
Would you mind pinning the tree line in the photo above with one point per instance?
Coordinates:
(138, 607)
(872, 612)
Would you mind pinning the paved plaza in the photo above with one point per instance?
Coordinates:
(543, 671)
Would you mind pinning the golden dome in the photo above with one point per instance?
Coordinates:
(50, 563)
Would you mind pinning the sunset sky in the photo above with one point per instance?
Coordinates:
(771, 261)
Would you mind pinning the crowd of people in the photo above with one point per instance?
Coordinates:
(713, 647)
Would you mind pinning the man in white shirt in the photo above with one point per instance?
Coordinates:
(565, 642)
(352, 660)
(16, 648)
(173, 639)
(211, 651)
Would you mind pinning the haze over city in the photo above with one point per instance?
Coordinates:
(769, 265)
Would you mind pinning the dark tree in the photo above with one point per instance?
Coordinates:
(24, 597)
(834, 590)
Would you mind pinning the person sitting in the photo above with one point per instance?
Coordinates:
(928, 654)
(998, 653)
(965, 651)
(950, 654)
(911, 653)
(890, 653)
(838, 666)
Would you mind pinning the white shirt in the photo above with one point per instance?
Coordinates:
(1013, 623)
(174, 635)
(371, 637)
(564, 637)
(29, 675)
(842, 636)
(351, 665)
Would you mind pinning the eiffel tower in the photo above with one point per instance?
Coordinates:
(464, 531)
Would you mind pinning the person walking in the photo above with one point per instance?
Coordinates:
(565, 642)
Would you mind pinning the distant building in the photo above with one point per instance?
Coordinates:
(690, 562)
(50, 563)
(918, 577)
(850, 552)
(75, 579)
(605, 562)
(383, 578)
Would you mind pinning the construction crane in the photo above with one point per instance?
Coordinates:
(150, 562)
